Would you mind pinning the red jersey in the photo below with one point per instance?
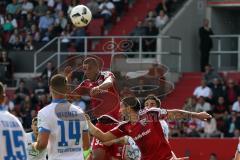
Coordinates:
(94, 103)
(148, 135)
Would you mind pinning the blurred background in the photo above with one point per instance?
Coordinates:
(186, 52)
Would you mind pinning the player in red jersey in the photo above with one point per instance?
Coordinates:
(99, 81)
(143, 126)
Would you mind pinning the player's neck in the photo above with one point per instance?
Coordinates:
(54, 97)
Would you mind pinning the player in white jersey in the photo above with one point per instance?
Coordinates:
(61, 125)
(32, 137)
(12, 135)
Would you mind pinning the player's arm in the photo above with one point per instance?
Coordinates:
(96, 132)
(175, 114)
(121, 140)
(107, 83)
(42, 141)
(43, 132)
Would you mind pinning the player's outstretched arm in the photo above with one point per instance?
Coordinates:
(175, 114)
(96, 132)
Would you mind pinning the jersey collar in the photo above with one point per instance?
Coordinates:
(59, 101)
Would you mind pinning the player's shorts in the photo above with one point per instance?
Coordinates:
(105, 124)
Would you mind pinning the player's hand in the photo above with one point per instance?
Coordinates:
(95, 91)
(204, 116)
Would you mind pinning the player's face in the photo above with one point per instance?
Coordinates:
(150, 104)
(90, 71)
(34, 128)
(124, 111)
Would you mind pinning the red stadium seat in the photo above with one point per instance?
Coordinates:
(95, 28)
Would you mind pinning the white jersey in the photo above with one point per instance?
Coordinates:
(12, 138)
(32, 154)
(61, 119)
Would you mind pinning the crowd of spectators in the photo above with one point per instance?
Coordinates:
(153, 24)
(24, 24)
(219, 96)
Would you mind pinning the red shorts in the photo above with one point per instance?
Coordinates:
(114, 150)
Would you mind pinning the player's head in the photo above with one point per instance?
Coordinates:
(152, 101)
(34, 126)
(91, 68)
(130, 105)
(2, 93)
(58, 86)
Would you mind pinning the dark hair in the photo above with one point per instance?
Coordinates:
(91, 61)
(151, 97)
(132, 102)
(59, 83)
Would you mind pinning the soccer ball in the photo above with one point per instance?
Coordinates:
(80, 16)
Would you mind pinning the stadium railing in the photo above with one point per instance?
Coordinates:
(167, 50)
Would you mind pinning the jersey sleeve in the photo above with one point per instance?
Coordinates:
(119, 131)
(160, 113)
(107, 74)
(43, 123)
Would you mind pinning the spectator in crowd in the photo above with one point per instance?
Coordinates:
(26, 7)
(119, 5)
(61, 21)
(73, 3)
(28, 43)
(13, 8)
(35, 33)
(210, 128)
(80, 32)
(221, 108)
(138, 31)
(10, 23)
(149, 44)
(210, 74)
(161, 20)
(40, 9)
(236, 105)
(190, 104)
(232, 91)
(25, 113)
(217, 90)
(233, 125)
(47, 73)
(21, 92)
(202, 105)
(94, 8)
(106, 10)
(7, 63)
(206, 43)
(203, 91)
(150, 17)
(161, 6)
(18, 45)
(8, 104)
(29, 21)
(12, 40)
(172, 6)
(45, 22)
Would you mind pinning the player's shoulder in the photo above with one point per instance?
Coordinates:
(6, 116)
(76, 108)
(46, 109)
(106, 73)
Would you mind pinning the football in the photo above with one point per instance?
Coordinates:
(80, 16)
